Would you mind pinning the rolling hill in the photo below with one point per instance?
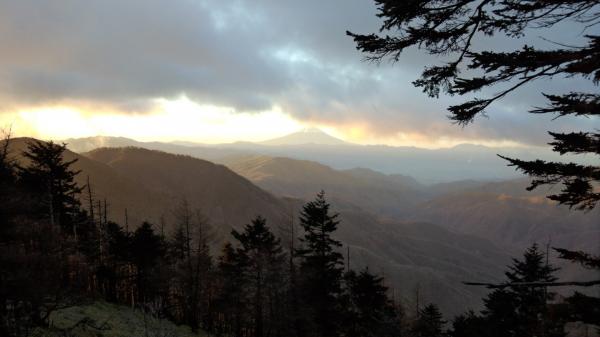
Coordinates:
(225, 197)
(381, 194)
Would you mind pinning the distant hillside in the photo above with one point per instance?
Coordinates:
(387, 195)
(427, 166)
(507, 214)
(150, 184)
(81, 145)
(419, 255)
(225, 197)
(121, 192)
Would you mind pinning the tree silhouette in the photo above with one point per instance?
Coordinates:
(370, 312)
(146, 250)
(451, 28)
(38, 217)
(51, 178)
(430, 322)
(262, 270)
(523, 310)
(192, 262)
(320, 265)
(231, 300)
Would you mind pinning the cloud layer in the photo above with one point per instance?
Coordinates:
(247, 55)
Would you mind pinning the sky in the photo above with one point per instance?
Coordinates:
(237, 70)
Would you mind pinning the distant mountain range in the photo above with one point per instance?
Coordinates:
(150, 183)
(427, 166)
(388, 219)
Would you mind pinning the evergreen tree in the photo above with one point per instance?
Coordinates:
(146, 250)
(117, 256)
(52, 179)
(469, 325)
(430, 322)
(35, 276)
(583, 307)
(321, 266)
(522, 311)
(9, 195)
(231, 301)
(451, 29)
(262, 264)
(369, 311)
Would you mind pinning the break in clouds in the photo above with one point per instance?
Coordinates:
(247, 55)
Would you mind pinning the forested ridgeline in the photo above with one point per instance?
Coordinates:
(58, 252)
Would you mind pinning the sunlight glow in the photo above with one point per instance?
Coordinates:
(171, 120)
(184, 120)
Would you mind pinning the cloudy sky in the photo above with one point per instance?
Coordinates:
(220, 71)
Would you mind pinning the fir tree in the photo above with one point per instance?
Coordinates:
(522, 311)
(430, 322)
(231, 301)
(321, 265)
(369, 311)
(146, 250)
(262, 271)
(469, 325)
(583, 307)
(50, 177)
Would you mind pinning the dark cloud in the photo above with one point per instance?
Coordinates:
(249, 55)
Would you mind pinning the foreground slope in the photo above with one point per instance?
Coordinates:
(101, 319)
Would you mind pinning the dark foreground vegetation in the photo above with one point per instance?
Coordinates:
(56, 252)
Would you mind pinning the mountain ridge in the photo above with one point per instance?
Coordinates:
(426, 165)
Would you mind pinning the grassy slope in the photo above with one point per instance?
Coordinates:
(102, 319)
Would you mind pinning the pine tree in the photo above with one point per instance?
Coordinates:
(450, 29)
(231, 301)
(262, 271)
(321, 266)
(430, 322)
(35, 276)
(50, 177)
(469, 325)
(117, 256)
(8, 189)
(522, 311)
(146, 250)
(369, 311)
(583, 307)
